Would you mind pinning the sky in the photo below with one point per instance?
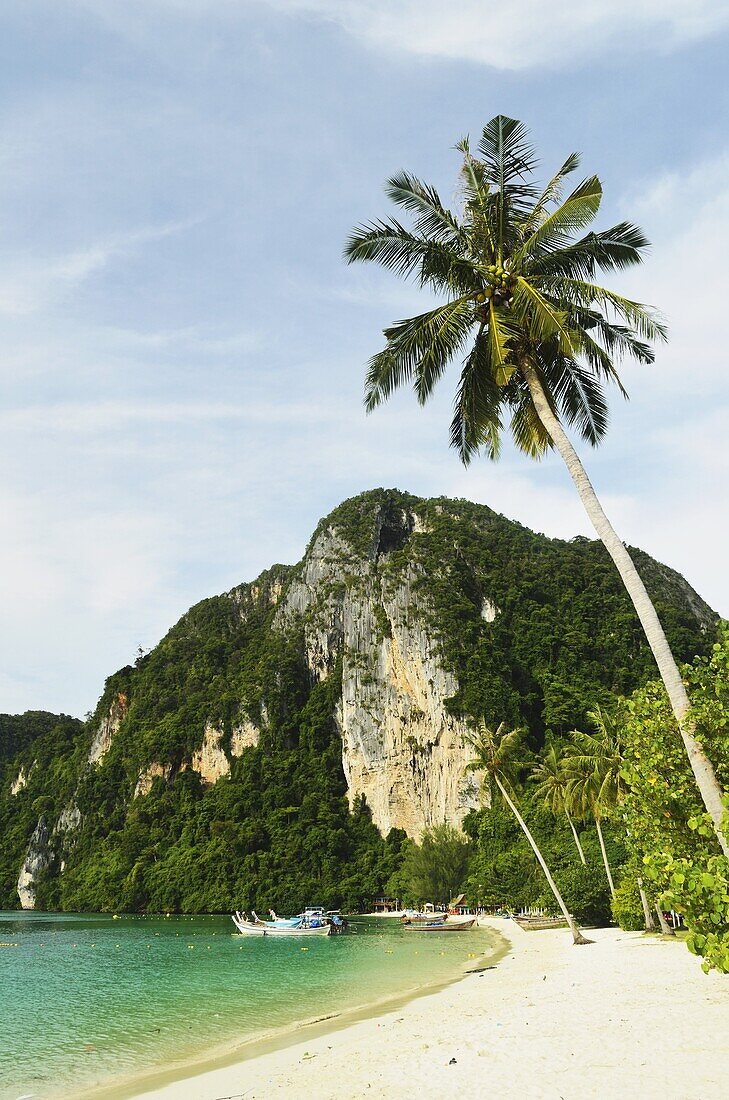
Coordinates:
(183, 348)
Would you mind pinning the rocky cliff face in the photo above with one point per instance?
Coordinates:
(37, 859)
(108, 726)
(401, 750)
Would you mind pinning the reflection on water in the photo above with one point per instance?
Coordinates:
(86, 998)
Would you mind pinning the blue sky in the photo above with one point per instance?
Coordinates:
(183, 348)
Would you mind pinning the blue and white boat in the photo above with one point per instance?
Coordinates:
(312, 922)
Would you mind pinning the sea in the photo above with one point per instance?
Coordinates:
(90, 1001)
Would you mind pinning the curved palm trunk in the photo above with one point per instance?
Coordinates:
(604, 857)
(576, 934)
(701, 765)
(647, 915)
(577, 839)
(665, 929)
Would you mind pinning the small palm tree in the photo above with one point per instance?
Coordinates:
(496, 756)
(536, 336)
(595, 785)
(551, 787)
(592, 766)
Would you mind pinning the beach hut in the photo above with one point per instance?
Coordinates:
(458, 905)
(386, 905)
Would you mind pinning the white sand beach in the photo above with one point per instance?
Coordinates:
(627, 1015)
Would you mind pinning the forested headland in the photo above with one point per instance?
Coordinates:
(213, 773)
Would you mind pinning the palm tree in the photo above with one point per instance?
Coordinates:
(536, 336)
(551, 787)
(594, 783)
(647, 915)
(496, 756)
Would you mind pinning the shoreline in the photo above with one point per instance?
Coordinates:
(629, 1014)
(238, 1052)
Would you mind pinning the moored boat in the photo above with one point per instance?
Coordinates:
(312, 922)
(417, 916)
(247, 927)
(536, 923)
(444, 925)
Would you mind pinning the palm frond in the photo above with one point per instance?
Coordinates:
(395, 248)
(642, 319)
(497, 753)
(434, 221)
(476, 419)
(516, 267)
(593, 765)
(577, 211)
(541, 319)
(615, 341)
(419, 348)
(508, 161)
(386, 372)
(552, 193)
(507, 153)
(611, 249)
(502, 332)
(474, 184)
(579, 398)
(549, 781)
(529, 434)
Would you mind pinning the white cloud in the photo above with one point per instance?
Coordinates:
(120, 415)
(685, 214)
(517, 35)
(80, 582)
(523, 33)
(29, 282)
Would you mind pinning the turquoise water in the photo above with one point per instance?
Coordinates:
(89, 999)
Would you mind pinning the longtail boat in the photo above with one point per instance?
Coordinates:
(537, 923)
(443, 925)
(309, 923)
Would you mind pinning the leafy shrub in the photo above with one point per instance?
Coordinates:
(669, 830)
(585, 891)
(627, 908)
(700, 892)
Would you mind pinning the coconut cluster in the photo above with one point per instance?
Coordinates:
(501, 284)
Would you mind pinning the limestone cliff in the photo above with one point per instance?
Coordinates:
(401, 749)
(109, 725)
(37, 859)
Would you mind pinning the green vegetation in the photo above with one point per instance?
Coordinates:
(48, 749)
(540, 338)
(629, 781)
(505, 873)
(276, 832)
(672, 840)
(593, 772)
(435, 869)
(498, 756)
